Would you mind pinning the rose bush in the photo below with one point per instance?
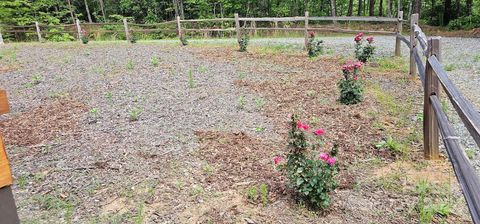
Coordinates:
(312, 175)
(351, 86)
(363, 51)
(314, 47)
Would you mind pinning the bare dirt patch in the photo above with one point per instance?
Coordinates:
(44, 123)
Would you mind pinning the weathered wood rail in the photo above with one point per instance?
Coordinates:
(76, 28)
(434, 77)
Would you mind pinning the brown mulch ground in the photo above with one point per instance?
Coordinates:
(44, 123)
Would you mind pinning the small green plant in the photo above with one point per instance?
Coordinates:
(154, 61)
(314, 47)
(476, 58)
(391, 145)
(94, 114)
(311, 175)
(241, 75)
(243, 42)
(259, 103)
(252, 193)
(134, 113)
(241, 102)
(470, 153)
(426, 211)
(84, 36)
(36, 79)
(196, 190)
(351, 86)
(208, 169)
(202, 69)
(184, 40)
(191, 80)
(259, 129)
(109, 96)
(129, 65)
(133, 37)
(264, 193)
(450, 67)
(363, 52)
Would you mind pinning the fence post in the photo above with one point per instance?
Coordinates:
(413, 43)
(1, 38)
(38, 32)
(237, 26)
(398, 50)
(179, 27)
(276, 27)
(127, 34)
(254, 25)
(306, 30)
(79, 29)
(430, 125)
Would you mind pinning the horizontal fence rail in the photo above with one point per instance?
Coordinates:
(127, 29)
(433, 77)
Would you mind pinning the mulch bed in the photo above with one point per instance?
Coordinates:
(44, 123)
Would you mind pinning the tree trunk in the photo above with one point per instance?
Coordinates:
(334, 8)
(102, 7)
(71, 10)
(389, 8)
(447, 15)
(359, 12)
(175, 6)
(350, 8)
(380, 9)
(180, 9)
(457, 8)
(417, 7)
(469, 7)
(371, 8)
(88, 12)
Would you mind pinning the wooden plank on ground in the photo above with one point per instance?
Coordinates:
(5, 173)
(4, 108)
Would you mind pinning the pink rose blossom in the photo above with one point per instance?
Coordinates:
(324, 156)
(319, 132)
(311, 34)
(299, 125)
(277, 159)
(357, 39)
(306, 127)
(358, 64)
(370, 39)
(360, 34)
(331, 161)
(355, 78)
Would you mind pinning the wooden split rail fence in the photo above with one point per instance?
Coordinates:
(433, 76)
(237, 27)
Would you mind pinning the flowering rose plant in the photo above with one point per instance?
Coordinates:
(314, 47)
(351, 86)
(363, 51)
(310, 173)
(243, 42)
(84, 36)
(184, 40)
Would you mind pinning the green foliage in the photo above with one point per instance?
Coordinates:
(84, 39)
(252, 193)
(241, 102)
(391, 145)
(184, 40)
(129, 65)
(426, 211)
(134, 113)
(154, 61)
(314, 47)
(243, 42)
(449, 67)
(264, 193)
(351, 86)
(191, 80)
(312, 178)
(465, 23)
(94, 113)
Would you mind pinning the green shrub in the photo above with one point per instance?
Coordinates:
(243, 42)
(314, 47)
(465, 23)
(311, 175)
(184, 40)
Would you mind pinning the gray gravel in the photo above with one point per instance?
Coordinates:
(171, 111)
